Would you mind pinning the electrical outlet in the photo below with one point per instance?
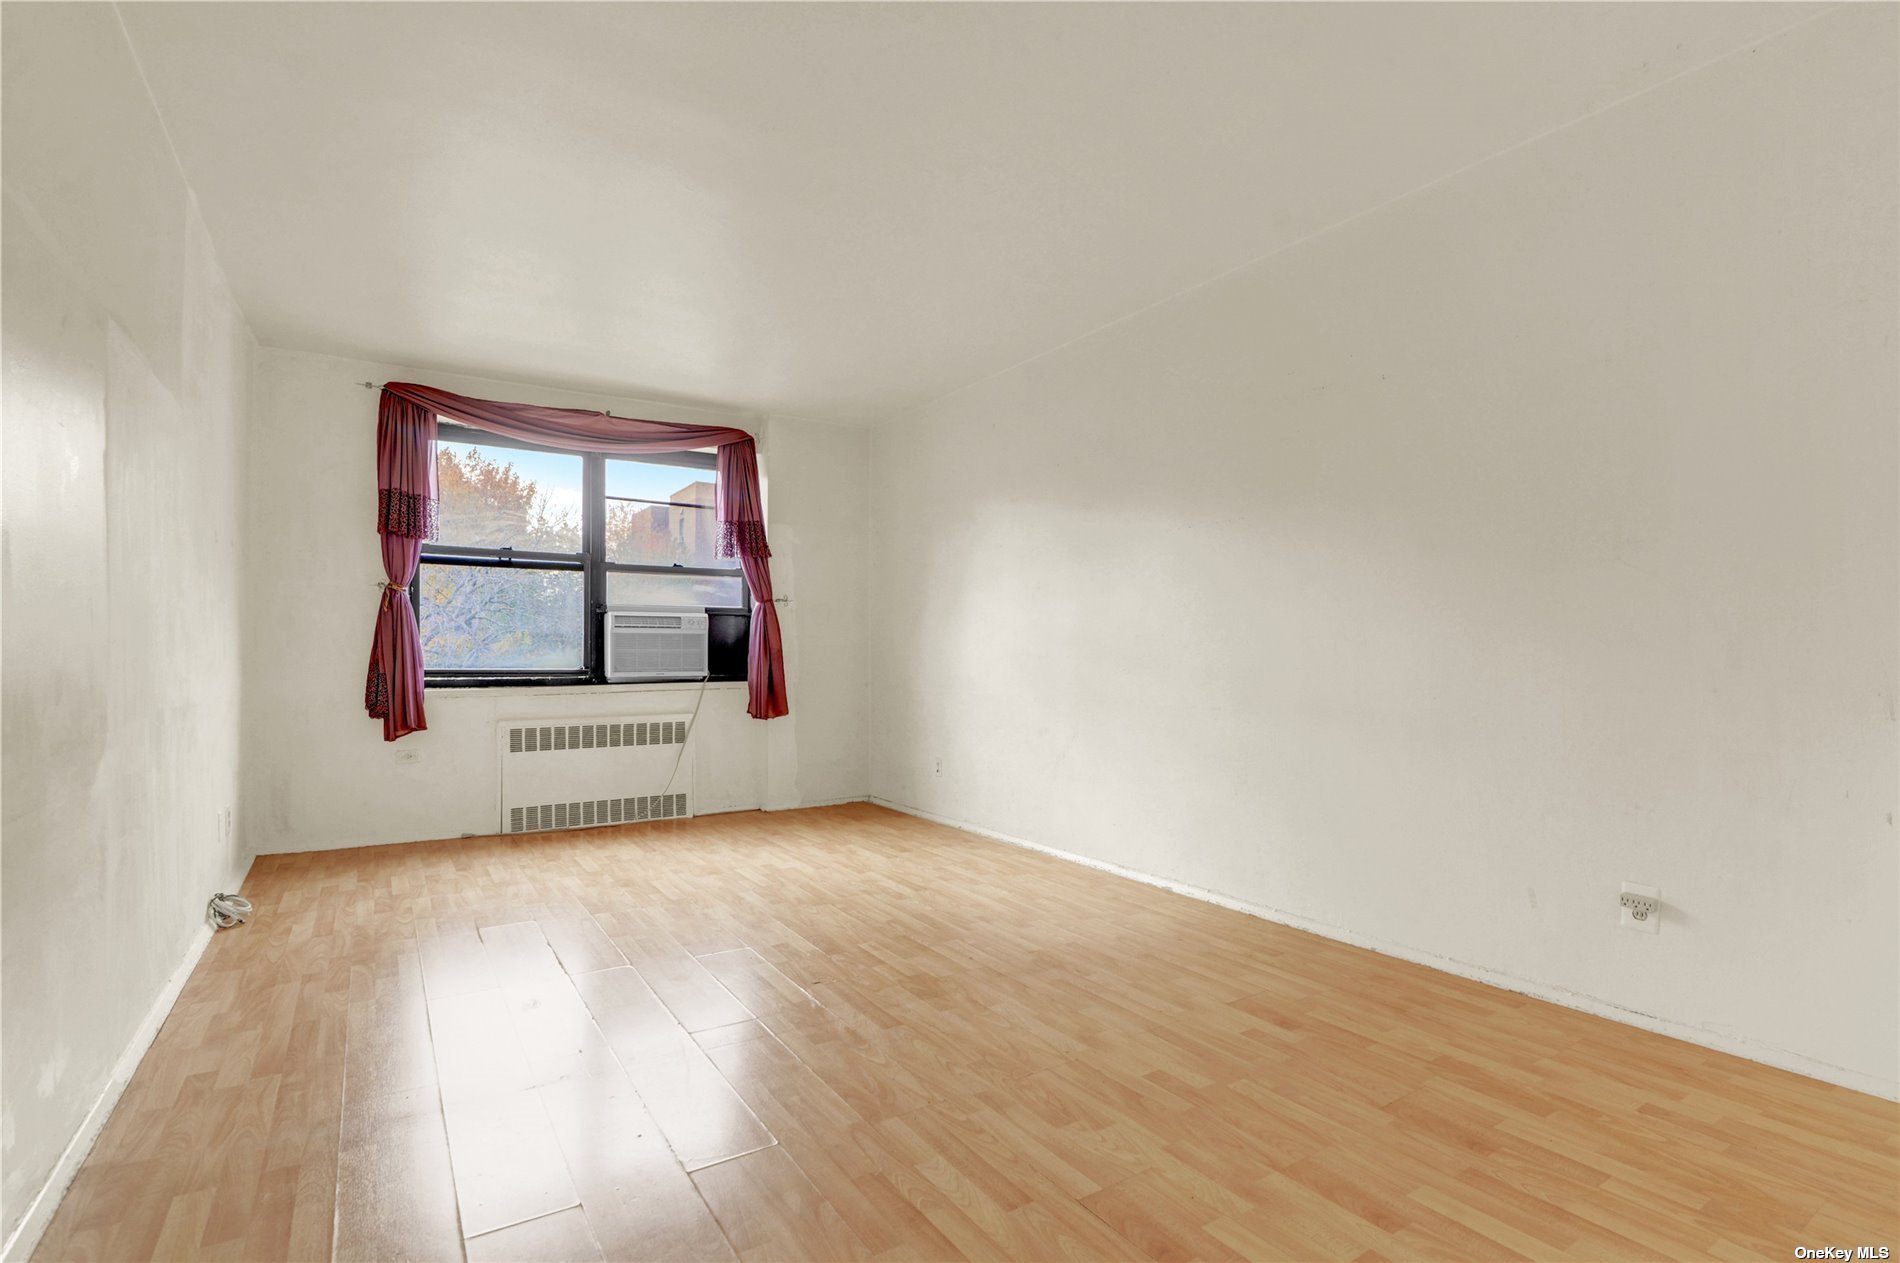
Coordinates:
(1641, 908)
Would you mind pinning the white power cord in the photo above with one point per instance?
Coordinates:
(226, 911)
(692, 726)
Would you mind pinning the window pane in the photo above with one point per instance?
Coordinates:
(715, 591)
(490, 618)
(662, 515)
(505, 497)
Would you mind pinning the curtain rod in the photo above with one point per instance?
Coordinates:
(379, 386)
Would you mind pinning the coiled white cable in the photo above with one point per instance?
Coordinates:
(226, 911)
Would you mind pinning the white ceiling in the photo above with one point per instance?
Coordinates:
(837, 211)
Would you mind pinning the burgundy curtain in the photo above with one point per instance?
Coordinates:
(742, 533)
(405, 516)
(741, 519)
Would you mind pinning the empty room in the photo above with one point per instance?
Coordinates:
(684, 632)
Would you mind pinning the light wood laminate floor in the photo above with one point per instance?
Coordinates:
(845, 1033)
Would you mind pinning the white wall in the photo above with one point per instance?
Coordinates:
(1421, 583)
(124, 395)
(318, 773)
(817, 479)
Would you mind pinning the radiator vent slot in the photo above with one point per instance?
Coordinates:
(596, 811)
(554, 739)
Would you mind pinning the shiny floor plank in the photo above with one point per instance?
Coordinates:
(769, 1210)
(562, 1237)
(845, 1033)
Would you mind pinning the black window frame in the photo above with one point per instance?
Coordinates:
(593, 564)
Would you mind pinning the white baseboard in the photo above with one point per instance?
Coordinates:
(39, 1214)
(1752, 1050)
(820, 802)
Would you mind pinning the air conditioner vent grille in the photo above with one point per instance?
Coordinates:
(655, 644)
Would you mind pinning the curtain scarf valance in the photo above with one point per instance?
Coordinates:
(406, 515)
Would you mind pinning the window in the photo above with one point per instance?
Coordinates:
(663, 537)
(533, 544)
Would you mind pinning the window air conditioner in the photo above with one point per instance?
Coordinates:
(655, 644)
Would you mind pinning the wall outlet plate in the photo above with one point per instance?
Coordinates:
(1640, 908)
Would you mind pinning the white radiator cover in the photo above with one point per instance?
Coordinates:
(561, 774)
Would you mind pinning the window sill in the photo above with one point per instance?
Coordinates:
(439, 692)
